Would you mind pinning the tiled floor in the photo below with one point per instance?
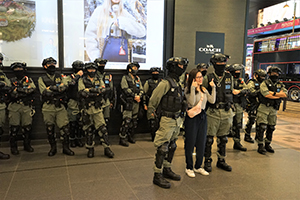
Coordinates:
(129, 175)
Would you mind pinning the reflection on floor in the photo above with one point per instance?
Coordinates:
(129, 175)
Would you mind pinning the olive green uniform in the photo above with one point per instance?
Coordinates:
(169, 127)
(5, 82)
(266, 113)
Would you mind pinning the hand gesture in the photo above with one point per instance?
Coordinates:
(145, 107)
(137, 99)
(195, 84)
(211, 83)
(80, 72)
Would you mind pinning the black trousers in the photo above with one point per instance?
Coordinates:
(195, 136)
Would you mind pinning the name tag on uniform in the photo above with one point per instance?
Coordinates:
(227, 87)
(256, 84)
(138, 85)
(106, 81)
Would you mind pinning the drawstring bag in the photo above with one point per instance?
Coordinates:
(195, 110)
(115, 48)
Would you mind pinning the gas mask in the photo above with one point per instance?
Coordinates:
(19, 74)
(51, 70)
(134, 72)
(91, 74)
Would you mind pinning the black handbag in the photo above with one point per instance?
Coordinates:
(115, 49)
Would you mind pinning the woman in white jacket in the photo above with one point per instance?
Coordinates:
(111, 11)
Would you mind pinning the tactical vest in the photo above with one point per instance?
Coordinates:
(238, 85)
(3, 93)
(223, 90)
(58, 97)
(152, 86)
(275, 103)
(27, 99)
(108, 90)
(172, 101)
(252, 99)
(73, 90)
(93, 97)
(135, 88)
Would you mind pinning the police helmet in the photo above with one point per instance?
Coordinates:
(1, 56)
(274, 69)
(77, 65)
(219, 57)
(49, 60)
(175, 61)
(130, 65)
(261, 73)
(90, 65)
(100, 61)
(18, 65)
(154, 69)
(202, 66)
(238, 67)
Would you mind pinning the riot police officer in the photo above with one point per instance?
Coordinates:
(132, 94)
(271, 92)
(76, 132)
(20, 107)
(4, 90)
(240, 103)
(53, 92)
(203, 68)
(169, 95)
(253, 101)
(109, 96)
(219, 114)
(91, 90)
(149, 86)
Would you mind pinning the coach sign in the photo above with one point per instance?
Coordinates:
(208, 44)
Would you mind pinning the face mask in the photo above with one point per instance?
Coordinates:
(237, 75)
(51, 70)
(204, 72)
(260, 79)
(219, 69)
(274, 78)
(155, 76)
(179, 71)
(19, 74)
(91, 74)
(76, 70)
(134, 72)
(101, 69)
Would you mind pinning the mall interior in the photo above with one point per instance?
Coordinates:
(243, 29)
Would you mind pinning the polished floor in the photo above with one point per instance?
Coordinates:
(129, 175)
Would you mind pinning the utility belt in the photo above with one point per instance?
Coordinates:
(22, 102)
(273, 104)
(170, 114)
(56, 102)
(96, 104)
(218, 106)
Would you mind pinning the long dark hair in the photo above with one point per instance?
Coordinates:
(192, 75)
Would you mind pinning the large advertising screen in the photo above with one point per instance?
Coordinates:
(120, 31)
(278, 12)
(28, 31)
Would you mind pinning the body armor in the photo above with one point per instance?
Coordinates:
(275, 103)
(24, 94)
(93, 98)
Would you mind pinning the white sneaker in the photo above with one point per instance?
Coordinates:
(190, 173)
(201, 171)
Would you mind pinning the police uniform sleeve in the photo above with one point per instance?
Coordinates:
(205, 82)
(124, 86)
(264, 89)
(7, 82)
(284, 89)
(162, 88)
(81, 86)
(31, 84)
(251, 87)
(42, 85)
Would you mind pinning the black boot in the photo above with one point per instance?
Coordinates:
(78, 142)
(26, 135)
(168, 173)
(131, 136)
(90, 153)
(159, 180)
(51, 139)
(108, 152)
(123, 132)
(4, 156)
(73, 129)
(207, 164)
(123, 142)
(53, 149)
(13, 140)
(66, 148)
(223, 165)
(269, 148)
(239, 146)
(248, 138)
(261, 149)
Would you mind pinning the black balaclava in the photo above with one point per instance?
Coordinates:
(176, 72)
(91, 74)
(274, 78)
(19, 74)
(155, 76)
(219, 69)
(260, 79)
(51, 70)
(134, 72)
(237, 75)
(101, 69)
(204, 72)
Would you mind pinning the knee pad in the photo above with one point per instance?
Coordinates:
(14, 130)
(127, 122)
(134, 122)
(50, 129)
(106, 120)
(90, 129)
(263, 126)
(164, 148)
(271, 127)
(103, 129)
(223, 139)
(27, 128)
(172, 145)
(209, 140)
(65, 129)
